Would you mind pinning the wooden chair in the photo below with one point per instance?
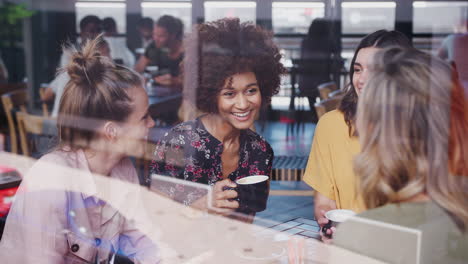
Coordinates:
(6, 88)
(45, 108)
(10, 87)
(327, 105)
(30, 125)
(326, 88)
(336, 93)
(16, 100)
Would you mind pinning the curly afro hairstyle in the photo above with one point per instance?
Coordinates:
(218, 50)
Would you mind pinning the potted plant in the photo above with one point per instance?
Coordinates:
(11, 37)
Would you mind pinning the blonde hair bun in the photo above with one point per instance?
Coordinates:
(88, 66)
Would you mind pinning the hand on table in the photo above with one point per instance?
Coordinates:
(165, 79)
(221, 202)
(322, 221)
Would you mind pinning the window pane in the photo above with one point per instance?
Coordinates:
(366, 17)
(295, 17)
(244, 10)
(450, 16)
(181, 10)
(115, 10)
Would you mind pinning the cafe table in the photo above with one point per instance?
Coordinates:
(183, 234)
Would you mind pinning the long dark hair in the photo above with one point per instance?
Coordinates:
(378, 39)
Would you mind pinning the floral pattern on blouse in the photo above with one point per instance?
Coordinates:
(188, 151)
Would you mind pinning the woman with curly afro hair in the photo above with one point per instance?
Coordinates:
(231, 71)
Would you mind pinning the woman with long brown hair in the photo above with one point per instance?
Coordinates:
(329, 169)
(412, 120)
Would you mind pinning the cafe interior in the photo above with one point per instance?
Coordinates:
(313, 61)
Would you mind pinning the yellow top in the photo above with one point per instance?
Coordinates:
(330, 166)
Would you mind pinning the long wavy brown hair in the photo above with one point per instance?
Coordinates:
(412, 120)
(378, 39)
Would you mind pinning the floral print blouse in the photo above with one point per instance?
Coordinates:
(188, 151)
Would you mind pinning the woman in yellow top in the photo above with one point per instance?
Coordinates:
(329, 169)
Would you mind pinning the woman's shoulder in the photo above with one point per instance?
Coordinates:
(125, 171)
(181, 129)
(331, 123)
(333, 117)
(257, 141)
(410, 214)
(53, 168)
(59, 157)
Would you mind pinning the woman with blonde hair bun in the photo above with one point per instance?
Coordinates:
(412, 121)
(60, 213)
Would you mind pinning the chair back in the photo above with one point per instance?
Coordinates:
(326, 88)
(328, 105)
(16, 100)
(10, 87)
(336, 93)
(30, 125)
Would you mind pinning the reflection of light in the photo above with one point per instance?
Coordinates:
(102, 1)
(298, 4)
(166, 5)
(99, 5)
(355, 18)
(240, 4)
(368, 5)
(420, 4)
(423, 4)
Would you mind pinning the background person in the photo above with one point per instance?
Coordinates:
(454, 50)
(329, 168)
(236, 74)
(145, 28)
(118, 47)
(166, 51)
(412, 120)
(103, 117)
(318, 50)
(90, 28)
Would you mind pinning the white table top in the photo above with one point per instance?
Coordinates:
(186, 235)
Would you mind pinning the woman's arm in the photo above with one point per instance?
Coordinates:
(141, 64)
(137, 246)
(35, 229)
(323, 204)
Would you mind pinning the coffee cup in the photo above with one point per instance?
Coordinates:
(335, 217)
(252, 193)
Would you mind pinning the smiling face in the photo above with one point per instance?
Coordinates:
(240, 100)
(134, 131)
(361, 68)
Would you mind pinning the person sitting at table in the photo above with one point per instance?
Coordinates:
(103, 117)
(412, 120)
(236, 73)
(166, 51)
(145, 29)
(90, 28)
(453, 49)
(318, 49)
(56, 87)
(329, 168)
